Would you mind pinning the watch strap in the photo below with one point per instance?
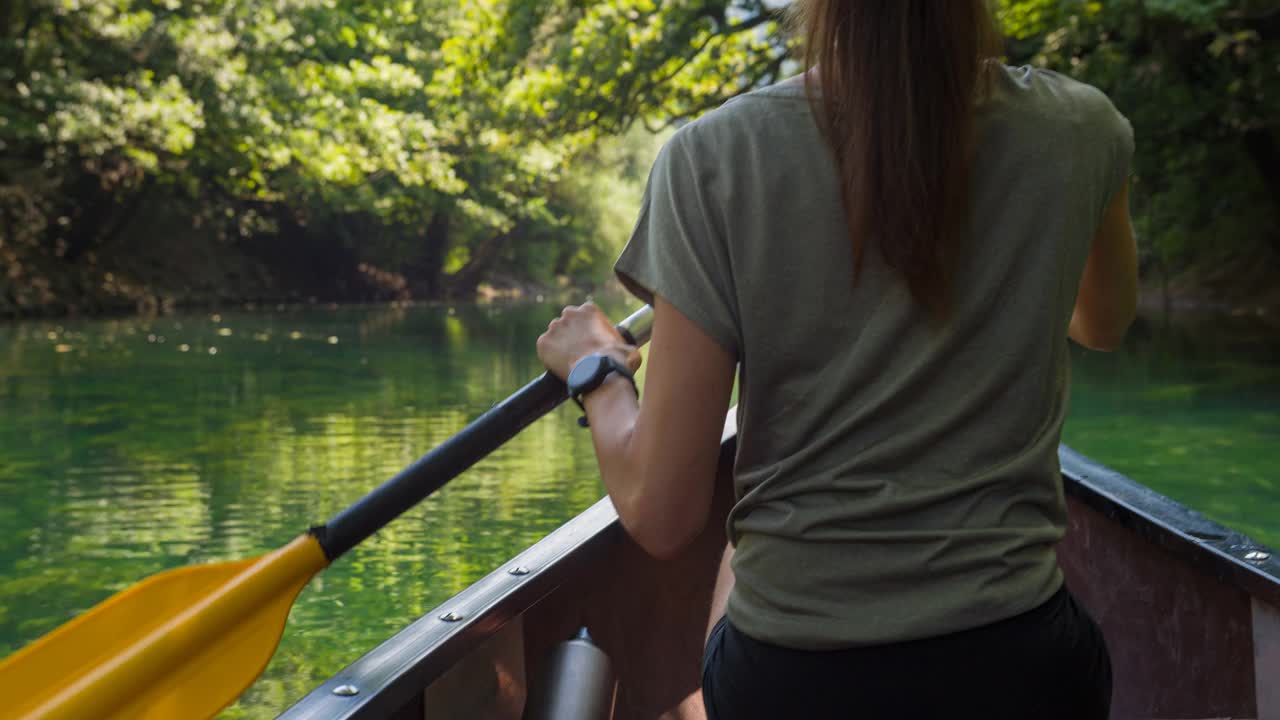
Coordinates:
(608, 366)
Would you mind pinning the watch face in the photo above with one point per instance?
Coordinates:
(585, 371)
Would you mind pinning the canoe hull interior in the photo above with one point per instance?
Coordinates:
(1169, 627)
(1193, 628)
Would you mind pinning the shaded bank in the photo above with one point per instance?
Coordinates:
(159, 274)
(158, 263)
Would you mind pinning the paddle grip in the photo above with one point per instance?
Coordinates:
(449, 459)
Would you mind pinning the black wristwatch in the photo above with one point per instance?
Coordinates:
(589, 373)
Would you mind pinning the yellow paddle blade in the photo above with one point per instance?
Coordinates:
(181, 644)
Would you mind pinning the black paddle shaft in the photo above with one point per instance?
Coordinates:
(449, 459)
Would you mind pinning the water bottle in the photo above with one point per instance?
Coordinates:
(578, 684)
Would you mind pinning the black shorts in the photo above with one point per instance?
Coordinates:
(1048, 663)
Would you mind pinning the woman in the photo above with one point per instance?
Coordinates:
(892, 250)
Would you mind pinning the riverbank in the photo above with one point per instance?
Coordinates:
(1241, 287)
(157, 274)
(156, 278)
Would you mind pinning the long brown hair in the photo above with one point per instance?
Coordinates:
(894, 94)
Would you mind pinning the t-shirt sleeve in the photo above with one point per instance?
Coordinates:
(677, 250)
(1112, 134)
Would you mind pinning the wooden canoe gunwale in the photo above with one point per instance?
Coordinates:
(1188, 535)
(391, 678)
(394, 674)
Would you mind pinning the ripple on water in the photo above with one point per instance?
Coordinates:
(147, 509)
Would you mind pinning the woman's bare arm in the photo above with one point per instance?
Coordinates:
(1108, 297)
(658, 459)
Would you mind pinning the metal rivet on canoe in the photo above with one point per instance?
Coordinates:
(451, 616)
(1257, 556)
(519, 570)
(346, 690)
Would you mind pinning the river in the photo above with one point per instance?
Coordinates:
(130, 446)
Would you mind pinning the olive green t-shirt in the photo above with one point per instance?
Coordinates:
(895, 478)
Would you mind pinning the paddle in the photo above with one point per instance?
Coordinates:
(185, 643)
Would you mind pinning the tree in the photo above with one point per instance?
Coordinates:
(1198, 80)
(417, 142)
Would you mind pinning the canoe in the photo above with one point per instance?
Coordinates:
(1191, 612)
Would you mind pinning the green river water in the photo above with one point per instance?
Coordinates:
(132, 446)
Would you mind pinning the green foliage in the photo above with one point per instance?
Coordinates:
(151, 150)
(1199, 81)
(398, 134)
(597, 201)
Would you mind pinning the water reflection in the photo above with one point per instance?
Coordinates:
(126, 456)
